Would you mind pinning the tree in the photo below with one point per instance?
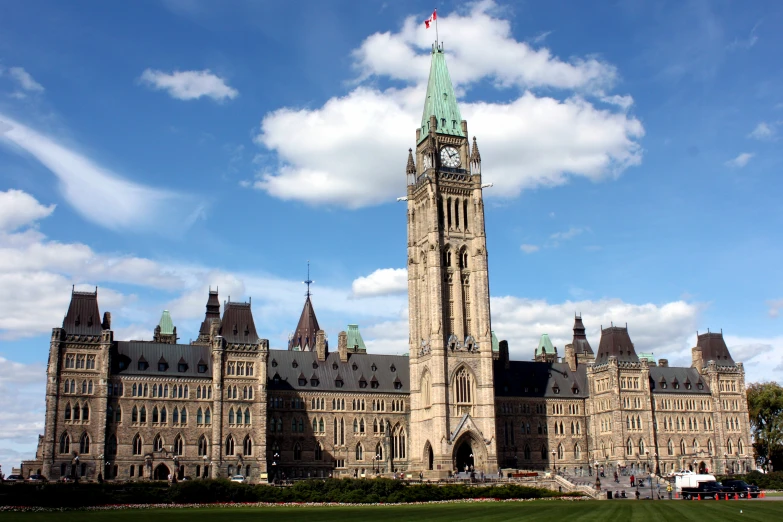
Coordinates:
(765, 406)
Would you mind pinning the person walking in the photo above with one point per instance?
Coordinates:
(616, 477)
(633, 480)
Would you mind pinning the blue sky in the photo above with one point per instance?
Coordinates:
(157, 148)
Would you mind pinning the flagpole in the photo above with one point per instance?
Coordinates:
(436, 29)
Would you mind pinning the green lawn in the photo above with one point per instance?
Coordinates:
(622, 510)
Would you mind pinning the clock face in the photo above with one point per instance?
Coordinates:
(449, 157)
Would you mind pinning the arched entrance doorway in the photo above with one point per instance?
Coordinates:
(465, 457)
(702, 467)
(430, 457)
(161, 472)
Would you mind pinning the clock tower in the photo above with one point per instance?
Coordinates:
(452, 393)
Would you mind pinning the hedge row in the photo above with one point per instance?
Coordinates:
(772, 480)
(208, 491)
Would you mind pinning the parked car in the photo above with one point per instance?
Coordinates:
(742, 488)
(238, 478)
(37, 478)
(707, 490)
(14, 478)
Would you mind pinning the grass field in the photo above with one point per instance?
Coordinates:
(624, 511)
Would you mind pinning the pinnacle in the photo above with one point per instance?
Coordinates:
(475, 155)
(411, 167)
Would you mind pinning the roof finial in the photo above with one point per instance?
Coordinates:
(309, 281)
(410, 168)
(475, 155)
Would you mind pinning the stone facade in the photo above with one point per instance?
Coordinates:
(227, 404)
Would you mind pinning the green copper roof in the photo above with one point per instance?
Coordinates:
(441, 100)
(495, 343)
(649, 356)
(166, 324)
(355, 341)
(545, 345)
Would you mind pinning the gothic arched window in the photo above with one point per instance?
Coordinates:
(426, 399)
(463, 386)
(229, 445)
(203, 446)
(297, 452)
(247, 446)
(178, 444)
(137, 444)
(157, 443)
(84, 444)
(65, 443)
(359, 452)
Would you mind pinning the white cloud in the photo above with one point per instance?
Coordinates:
(568, 234)
(741, 160)
(22, 390)
(529, 249)
(774, 307)
(24, 80)
(384, 281)
(745, 43)
(760, 356)
(18, 208)
(763, 132)
(530, 141)
(189, 85)
(97, 193)
(479, 45)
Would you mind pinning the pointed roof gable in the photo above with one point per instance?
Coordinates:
(213, 312)
(616, 341)
(441, 101)
(713, 348)
(166, 324)
(237, 325)
(83, 317)
(304, 335)
(579, 342)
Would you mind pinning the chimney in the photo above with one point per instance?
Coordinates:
(663, 363)
(697, 360)
(320, 345)
(570, 357)
(342, 346)
(503, 347)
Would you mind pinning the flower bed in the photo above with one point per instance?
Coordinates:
(38, 509)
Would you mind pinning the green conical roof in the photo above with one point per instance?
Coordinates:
(495, 343)
(166, 324)
(545, 345)
(441, 100)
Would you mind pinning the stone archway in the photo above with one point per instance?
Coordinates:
(161, 472)
(429, 457)
(470, 450)
(702, 467)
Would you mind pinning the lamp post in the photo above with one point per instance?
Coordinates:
(554, 468)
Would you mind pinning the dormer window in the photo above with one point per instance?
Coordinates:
(687, 386)
(143, 365)
(393, 368)
(373, 367)
(314, 381)
(295, 364)
(274, 363)
(276, 379)
(556, 389)
(315, 365)
(354, 367)
(302, 381)
(182, 367)
(362, 383)
(700, 386)
(202, 368)
(334, 366)
(236, 331)
(163, 366)
(338, 383)
(576, 391)
(663, 384)
(122, 365)
(443, 120)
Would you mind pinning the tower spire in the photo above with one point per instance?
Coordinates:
(441, 102)
(308, 282)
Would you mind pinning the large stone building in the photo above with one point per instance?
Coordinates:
(228, 404)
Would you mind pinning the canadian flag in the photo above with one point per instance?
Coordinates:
(431, 19)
